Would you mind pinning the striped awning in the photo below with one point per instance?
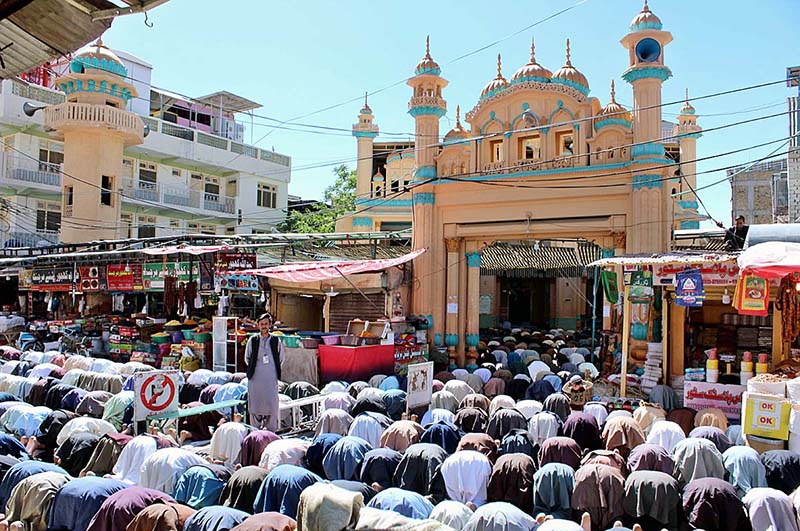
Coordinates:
(547, 260)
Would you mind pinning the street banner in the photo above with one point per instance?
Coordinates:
(155, 392)
(701, 395)
(52, 278)
(420, 385)
(124, 277)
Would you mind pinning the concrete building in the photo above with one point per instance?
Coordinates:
(192, 173)
(537, 180)
(760, 192)
(793, 162)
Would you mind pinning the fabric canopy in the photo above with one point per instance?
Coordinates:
(313, 271)
(770, 259)
(188, 249)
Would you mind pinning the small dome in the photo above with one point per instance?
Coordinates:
(532, 71)
(497, 84)
(687, 107)
(98, 57)
(427, 65)
(571, 76)
(646, 20)
(457, 132)
(614, 109)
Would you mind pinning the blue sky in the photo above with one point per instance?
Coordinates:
(296, 58)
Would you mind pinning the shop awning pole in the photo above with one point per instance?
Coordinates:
(596, 282)
(664, 335)
(626, 332)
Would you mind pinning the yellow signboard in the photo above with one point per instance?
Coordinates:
(766, 416)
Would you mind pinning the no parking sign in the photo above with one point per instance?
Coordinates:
(155, 392)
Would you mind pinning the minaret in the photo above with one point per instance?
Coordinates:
(649, 227)
(96, 129)
(687, 132)
(365, 132)
(427, 106)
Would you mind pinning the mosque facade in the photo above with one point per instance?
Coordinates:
(538, 168)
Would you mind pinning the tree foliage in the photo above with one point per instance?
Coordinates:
(339, 198)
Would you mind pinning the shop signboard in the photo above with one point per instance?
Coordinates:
(766, 416)
(154, 273)
(124, 277)
(91, 278)
(226, 276)
(53, 278)
(155, 392)
(728, 398)
(420, 385)
(25, 279)
(713, 274)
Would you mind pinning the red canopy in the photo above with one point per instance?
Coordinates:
(313, 271)
(770, 259)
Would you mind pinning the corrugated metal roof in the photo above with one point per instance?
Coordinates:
(551, 259)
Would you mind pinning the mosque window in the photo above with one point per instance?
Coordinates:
(496, 150)
(565, 143)
(530, 147)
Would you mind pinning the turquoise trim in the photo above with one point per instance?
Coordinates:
(492, 92)
(456, 141)
(525, 108)
(636, 73)
(384, 202)
(409, 155)
(647, 181)
(437, 339)
(621, 122)
(431, 71)
(688, 204)
(688, 111)
(660, 160)
(473, 259)
(70, 87)
(690, 135)
(426, 110)
(583, 89)
(607, 253)
(492, 118)
(647, 149)
(560, 107)
(424, 173)
(641, 26)
(451, 340)
(472, 340)
(690, 225)
(530, 78)
(430, 321)
(424, 198)
(96, 64)
(362, 221)
(364, 134)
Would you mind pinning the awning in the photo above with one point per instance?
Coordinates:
(546, 260)
(773, 232)
(195, 250)
(667, 258)
(314, 271)
(771, 259)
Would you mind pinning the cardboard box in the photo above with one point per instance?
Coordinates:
(766, 416)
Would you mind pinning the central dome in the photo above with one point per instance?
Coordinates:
(532, 71)
(98, 57)
(570, 76)
(496, 85)
(645, 20)
(427, 65)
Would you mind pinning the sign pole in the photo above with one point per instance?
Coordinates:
(626, 332)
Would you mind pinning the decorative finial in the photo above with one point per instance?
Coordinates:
(365, 99)
(569, 63)
(613, 92)
(428, 46)
(99, 42)
(687, 95)
(499, 66)
(533, 52)
(458, 115)
(646, 8)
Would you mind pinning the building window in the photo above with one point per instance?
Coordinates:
(496, 150)
(148, 173)
(175, 224)
(211, 187)
(201, 228)
(126, 220)
(146, 226)
(176, 172)
(106, 186)
(69, 195)
(51, 156)
(267, 195)
(530, 147)
(230, 230)
(48, 216)
(565, 142)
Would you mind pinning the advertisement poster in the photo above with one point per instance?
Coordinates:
(728, 398)
(641, 287)
(124, 277)
(420, 385)
(52, 278)
(227, 278)
(91, 278)
(689, 290)
(766, 416)
(155, 393)
(153, 273)
(721, 274)
(25, 279)
(752, 296)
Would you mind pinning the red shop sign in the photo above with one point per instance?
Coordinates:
(124, 277)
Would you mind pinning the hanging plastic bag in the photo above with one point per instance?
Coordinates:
(609, 279)
(752, 295)
(689, 289)
(641, 289)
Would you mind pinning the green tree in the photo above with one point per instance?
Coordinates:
(339, 198)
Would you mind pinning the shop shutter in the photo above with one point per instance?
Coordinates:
(348, 306)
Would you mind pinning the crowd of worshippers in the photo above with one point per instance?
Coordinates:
(500, 448)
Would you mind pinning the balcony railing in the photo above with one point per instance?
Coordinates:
(27, 170)
(530, 165)
(38, 238)
(178, 196)
(81, 114)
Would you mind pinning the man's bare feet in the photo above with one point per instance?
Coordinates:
(185, 435)
(16, 526)
(377, 487)
(471, 506)
(237, 417)
(4, 525)
(586, 521)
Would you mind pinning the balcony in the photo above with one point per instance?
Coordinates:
(66, 115)
(23, 172)
(177, 196)
(39, 238)
(530, 165)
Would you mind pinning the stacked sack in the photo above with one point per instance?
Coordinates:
(652, 366)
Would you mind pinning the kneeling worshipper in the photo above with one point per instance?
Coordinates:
(78, 501)
(119, 509)
(31, 500)
(161, 517)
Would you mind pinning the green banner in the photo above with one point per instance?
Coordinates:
(610, 288)
(153, 273)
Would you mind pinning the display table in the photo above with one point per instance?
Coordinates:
(300, 365)
(352, 364)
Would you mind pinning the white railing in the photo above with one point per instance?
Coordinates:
(38, 238)
(32, 171)
(66, 114)
(36, 93)
(180, 196)
(531, 164)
